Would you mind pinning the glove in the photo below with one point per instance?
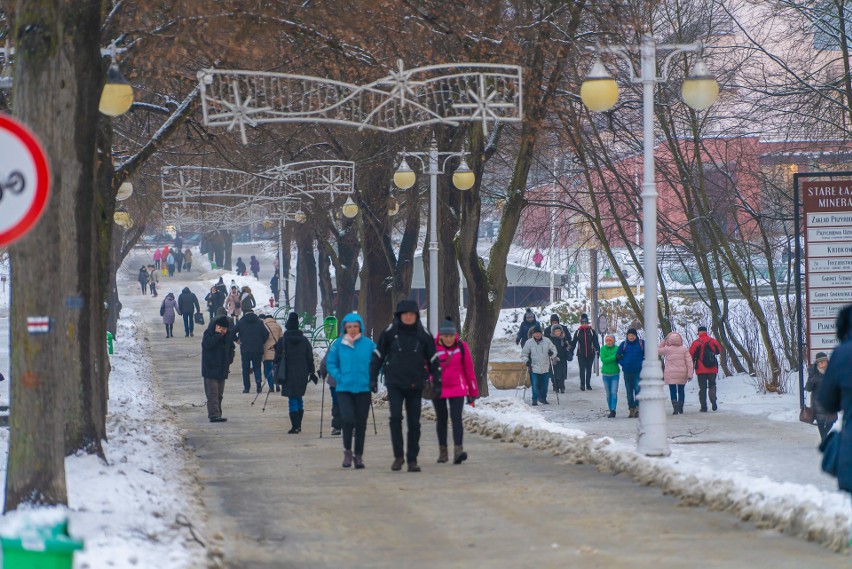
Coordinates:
(313, 377)
(555, 360)
(374, 386)
(529, 364)
(471, 399)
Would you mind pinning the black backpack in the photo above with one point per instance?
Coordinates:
(708, 357)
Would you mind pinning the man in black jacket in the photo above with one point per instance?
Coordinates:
(587, 347)
(188, 304)
(217, 354)
(251, 335)
(406, 353)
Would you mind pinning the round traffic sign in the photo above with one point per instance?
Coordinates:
(24, 180)
(602, 324)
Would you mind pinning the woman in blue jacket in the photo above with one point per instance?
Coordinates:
(349, 364)
(835, 394)
(630, 355)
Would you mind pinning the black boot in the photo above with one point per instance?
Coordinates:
(680, 407)
(674, 407)
(294, 422)
(301, 415)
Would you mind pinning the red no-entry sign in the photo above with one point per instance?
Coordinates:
(24, 180)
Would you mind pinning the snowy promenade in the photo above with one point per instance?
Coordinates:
(278, 500)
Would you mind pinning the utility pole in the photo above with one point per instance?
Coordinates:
(593, 286)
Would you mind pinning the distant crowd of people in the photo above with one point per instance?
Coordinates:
(547, 353)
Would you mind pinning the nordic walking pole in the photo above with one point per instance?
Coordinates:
(322, 404)
(265, 401)
(375, 430)
(255, 398)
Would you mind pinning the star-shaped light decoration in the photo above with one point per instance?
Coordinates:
(482, 105)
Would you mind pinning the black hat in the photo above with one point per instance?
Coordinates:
(221, 311)
(292, 322)
(447, 326)
(554, 318)
(536, 328)
(223, 321)
(702, 328)
(632, 331)
(406, 306)
(584, 317)
(821, 357)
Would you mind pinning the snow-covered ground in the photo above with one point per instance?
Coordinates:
(752, 457)
(140, 508)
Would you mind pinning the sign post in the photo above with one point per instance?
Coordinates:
(825, 224)
(24, 180)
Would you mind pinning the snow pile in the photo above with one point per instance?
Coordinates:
(140, 509)
(796, 509)
(21, 523)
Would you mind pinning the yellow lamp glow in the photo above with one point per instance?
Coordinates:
(463, 177)
(599, 90)
(123, 219)
(404, 176)
(300, 216)
(117, 96)
(700, 90)
(350, 208)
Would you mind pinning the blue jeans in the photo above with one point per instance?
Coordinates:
(267, 373)
(611, 386)
(631, 383)
(251, 361)
(539, 383)
(188, 323)
(677, 392)
(296, 404)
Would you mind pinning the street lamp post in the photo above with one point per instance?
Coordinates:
(599, 92)
(433, 163)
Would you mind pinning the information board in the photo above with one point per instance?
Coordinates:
(827, 210)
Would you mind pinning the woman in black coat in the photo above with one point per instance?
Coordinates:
(298, 356)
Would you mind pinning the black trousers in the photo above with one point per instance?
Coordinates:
(252, 361)
(456, 405)
(706, 382)
(824, 427)
(585, 364)
(354, 410)
(560, 372)
(412, 399)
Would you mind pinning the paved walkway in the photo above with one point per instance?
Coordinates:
(283, 501)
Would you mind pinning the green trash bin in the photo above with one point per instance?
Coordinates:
(45, 547)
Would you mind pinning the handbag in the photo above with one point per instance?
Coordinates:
(281, 369)
(199, 318)
(830, 449)
(806, 415)
(431, 390)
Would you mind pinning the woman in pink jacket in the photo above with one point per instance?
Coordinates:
(458, 382)
(679, 369)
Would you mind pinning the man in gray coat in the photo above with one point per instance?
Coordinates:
(537, 353)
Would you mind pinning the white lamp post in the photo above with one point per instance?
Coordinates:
(433, 163)
(599, 93)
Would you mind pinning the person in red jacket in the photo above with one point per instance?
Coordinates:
(704, 351)
(458, 381)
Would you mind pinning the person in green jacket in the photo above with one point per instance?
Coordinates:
(610, 372)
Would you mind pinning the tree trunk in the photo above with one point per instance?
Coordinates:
(286, 262)
(347, 268)
(306, 274)
(375, 297)
(228, 246)
(57, 79)
(326, 288)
